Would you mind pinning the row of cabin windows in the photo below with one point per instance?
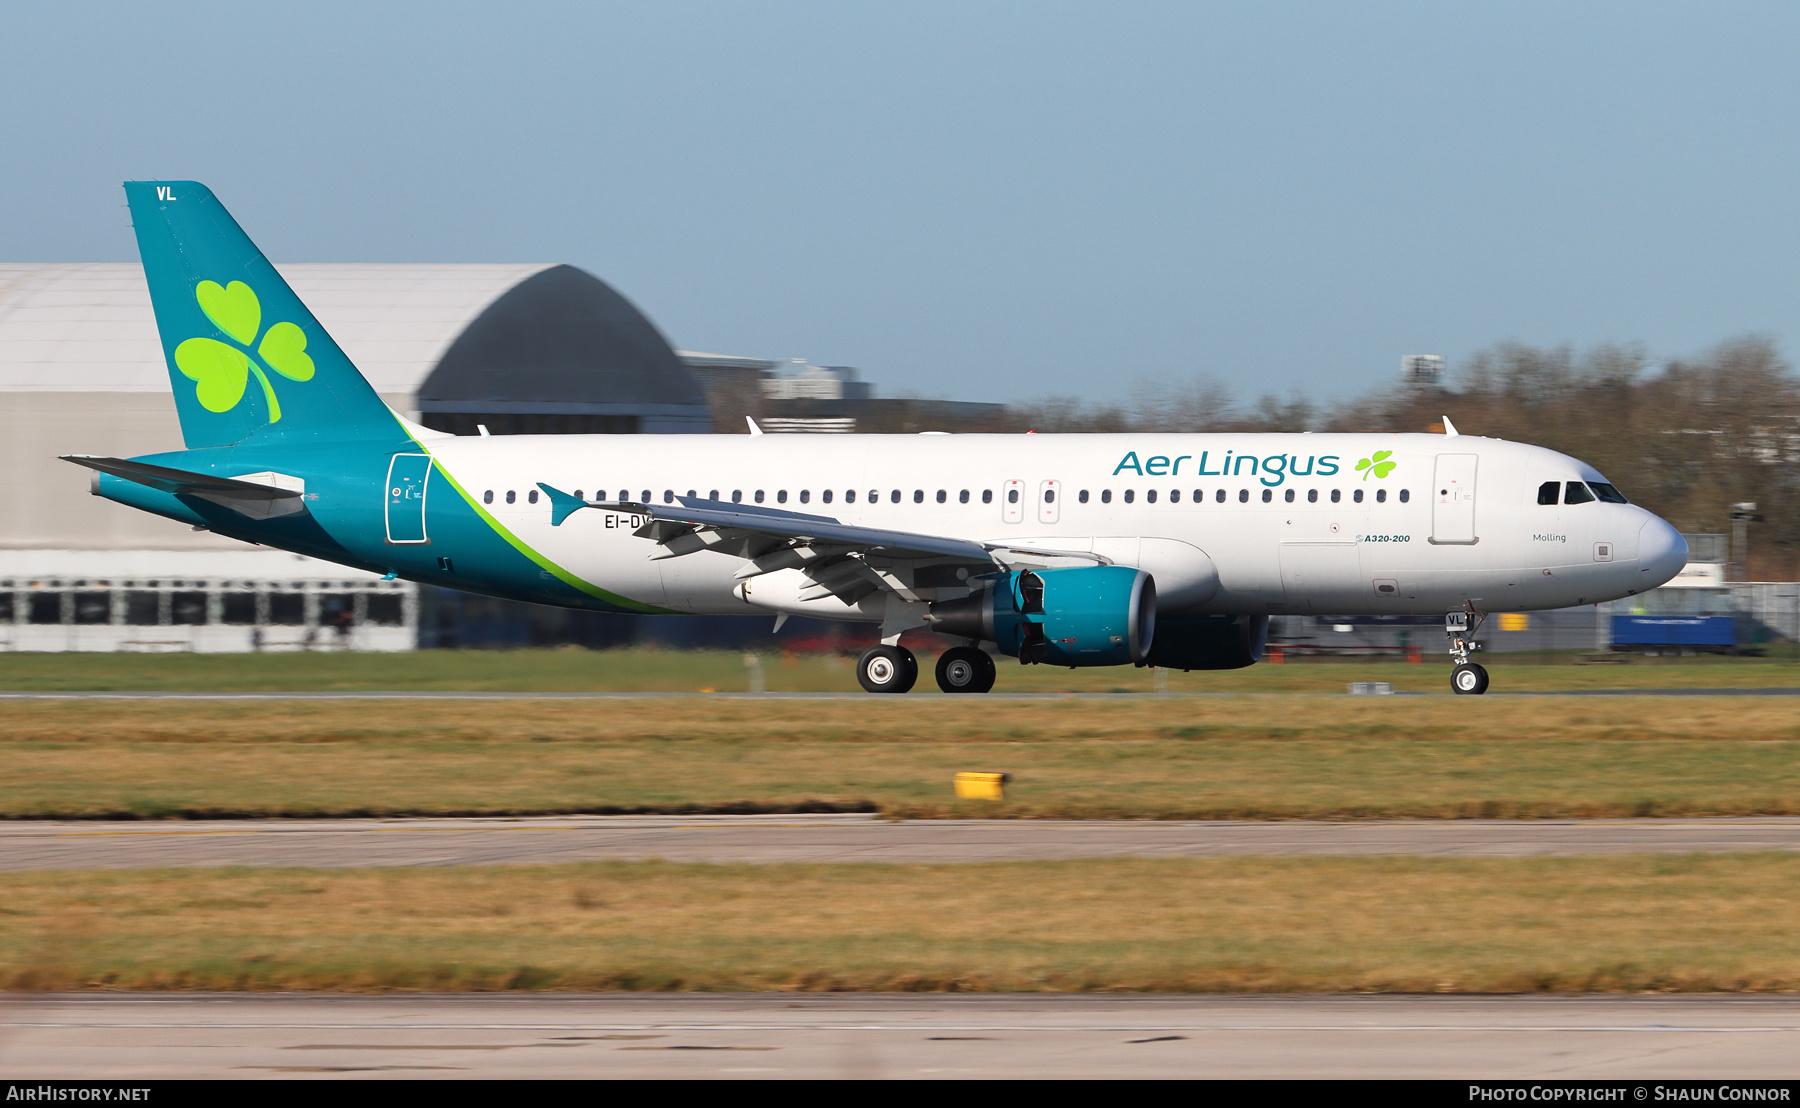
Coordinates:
(781, 496)
(1012, 495)
(1578, 492)
(1219, 496)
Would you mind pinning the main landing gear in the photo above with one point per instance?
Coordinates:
(893, 669)
(1467, 678)
(887, 669)
(965, 669)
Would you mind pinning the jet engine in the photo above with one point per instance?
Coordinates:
(1082, 616)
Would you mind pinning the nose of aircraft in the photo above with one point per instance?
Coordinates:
(1661, 553)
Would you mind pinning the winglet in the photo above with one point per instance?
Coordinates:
(562, 505)
(1450, 428)
(754, 429)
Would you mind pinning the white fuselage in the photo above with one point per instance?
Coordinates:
(1230, 523)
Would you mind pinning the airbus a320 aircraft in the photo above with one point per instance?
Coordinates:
(1070, 550)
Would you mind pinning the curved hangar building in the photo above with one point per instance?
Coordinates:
(521, 349)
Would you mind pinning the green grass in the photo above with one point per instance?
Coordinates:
(645, 670)
(1326, 757)
(1626, 924)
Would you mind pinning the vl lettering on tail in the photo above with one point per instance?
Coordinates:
(165, 192)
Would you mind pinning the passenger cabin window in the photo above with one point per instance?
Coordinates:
(1357, 496)
(578, 495)
(1130, 495)
(1607, 493)
(826, 496)
(849, 496)
(1574, 492)
(1174, 496)
(712, 494)
(1243, 496)
(987, 496)
(894, 497)
(918, 496)
(1336, 495)
(531, 497)
(1547, 492)
(1312, 496)
(963, 497)
(668, 496)
(805, 496)
(1199, 496)
(646, 497)
(488, 496)
(1106, 496)
(1288, 496)
(1012, 496)
(1268, 495)
(781, 496)
(759, 496)
(511, 496)
(1150, 496)
(1381, 496)
(1405, 495)
(1219, 497)
(1050, 496)
(943, 496)
(624, 495)
(737, 496)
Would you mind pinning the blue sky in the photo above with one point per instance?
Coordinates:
(981, 201)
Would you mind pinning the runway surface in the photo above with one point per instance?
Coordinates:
(806, 1035)
(837, 838)
(404, 695)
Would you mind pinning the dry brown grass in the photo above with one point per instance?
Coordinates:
(1238, 757)
(1284, 924)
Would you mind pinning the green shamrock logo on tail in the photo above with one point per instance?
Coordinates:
(221, 372)
(1378, 465)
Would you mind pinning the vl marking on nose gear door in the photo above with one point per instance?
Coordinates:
(1453, 501)
(408, 474)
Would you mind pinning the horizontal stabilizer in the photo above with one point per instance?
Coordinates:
(180, 480)
(250, 498)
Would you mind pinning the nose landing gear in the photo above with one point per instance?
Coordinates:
(887, 669)
(1467, 678)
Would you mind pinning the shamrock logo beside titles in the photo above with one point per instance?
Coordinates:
(1378, 465)
(221, 372)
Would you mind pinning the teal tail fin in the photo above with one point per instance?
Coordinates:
(247, 360)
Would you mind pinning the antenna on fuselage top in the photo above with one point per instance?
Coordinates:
(754, 429)
(1450, 428)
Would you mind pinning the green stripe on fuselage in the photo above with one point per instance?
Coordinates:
(613, 600)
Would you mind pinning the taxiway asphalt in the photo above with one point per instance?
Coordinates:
(1622, 1038)
(32, 845)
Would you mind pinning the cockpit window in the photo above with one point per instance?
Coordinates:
(1548, 492)
(1574, 492)
(1607, 493)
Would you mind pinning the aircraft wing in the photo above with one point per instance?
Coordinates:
(842, 560)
